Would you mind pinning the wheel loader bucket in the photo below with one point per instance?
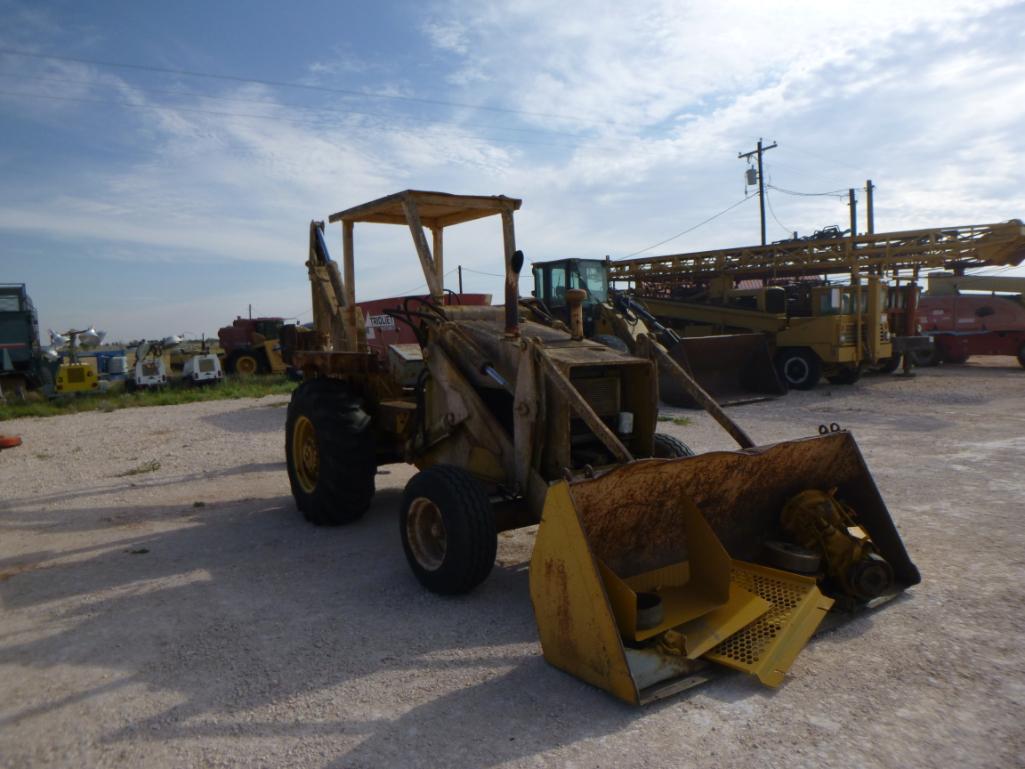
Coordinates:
(732, 368)
(647, 579)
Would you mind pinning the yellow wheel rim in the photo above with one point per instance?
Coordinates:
(425, 532)
(246, 365)
(305, 457)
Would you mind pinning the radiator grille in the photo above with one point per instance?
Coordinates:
(601, 393)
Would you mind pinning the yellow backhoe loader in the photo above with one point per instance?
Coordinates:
(652, 568)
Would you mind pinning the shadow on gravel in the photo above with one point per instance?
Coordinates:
(46, 518)
(245, 608)
(261, 418)
(245, 623)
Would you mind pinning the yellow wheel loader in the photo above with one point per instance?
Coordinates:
(652, 569)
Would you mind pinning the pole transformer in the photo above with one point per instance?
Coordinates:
(759, 150)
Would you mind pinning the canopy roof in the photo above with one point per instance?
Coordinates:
(435, 209)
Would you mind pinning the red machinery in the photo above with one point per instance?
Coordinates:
(382, 329)
(966, 324)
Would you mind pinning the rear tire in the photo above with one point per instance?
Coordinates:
(1021, 355)
(448, 530)
(329, 449)
(668, 447)
(799, 367)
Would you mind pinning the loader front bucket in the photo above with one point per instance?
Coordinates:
(732, 368)
(649, 578)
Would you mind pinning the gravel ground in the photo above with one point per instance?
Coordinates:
(164, 605)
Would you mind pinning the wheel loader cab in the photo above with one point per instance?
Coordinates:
(553, 279)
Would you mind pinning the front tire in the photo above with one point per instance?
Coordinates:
(799, 367)
(668, 447)
(448, 530)
(329, 448)
(245, 363)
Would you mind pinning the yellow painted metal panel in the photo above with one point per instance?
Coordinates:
(702, 634)
(768, 646)
(687, 589)
(574, 620)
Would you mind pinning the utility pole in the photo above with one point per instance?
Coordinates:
(460, 279)
(759, 150)
(870, 211)
(853, 199)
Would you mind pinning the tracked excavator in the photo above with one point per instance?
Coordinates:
(652, 570)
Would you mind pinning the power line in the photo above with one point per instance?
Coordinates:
(274, 103)
(833, 193)
(691, 229)
(292, 84)
(495, 274)
(773, 212)
(220, 113)
(424, 285)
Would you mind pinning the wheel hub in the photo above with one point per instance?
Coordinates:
(796, 370)
(305, 455)
(425, 532)
(246, 365)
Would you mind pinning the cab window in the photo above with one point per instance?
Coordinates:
(591, 277)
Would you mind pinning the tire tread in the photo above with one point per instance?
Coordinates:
(348, 466)
(473, 537)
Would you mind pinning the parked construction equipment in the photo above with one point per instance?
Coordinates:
(964, 322)
(251, 346)
(150, 369)
(23, 367)
(75, 375)
(733, 368)
(783, 289)
(647, 572)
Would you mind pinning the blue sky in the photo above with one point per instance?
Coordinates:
(149, 201)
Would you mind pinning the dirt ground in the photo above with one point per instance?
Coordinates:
(164, 605)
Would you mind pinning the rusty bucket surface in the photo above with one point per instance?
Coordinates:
(732, 368)
(634, 529)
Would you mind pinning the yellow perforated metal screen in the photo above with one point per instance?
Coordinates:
(768, 646)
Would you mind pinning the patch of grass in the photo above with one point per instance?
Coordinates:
(146, 467)
(42, 455)
(682, 421)
(116, 398)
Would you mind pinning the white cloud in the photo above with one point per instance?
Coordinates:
(447, 36)
(926, 99)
